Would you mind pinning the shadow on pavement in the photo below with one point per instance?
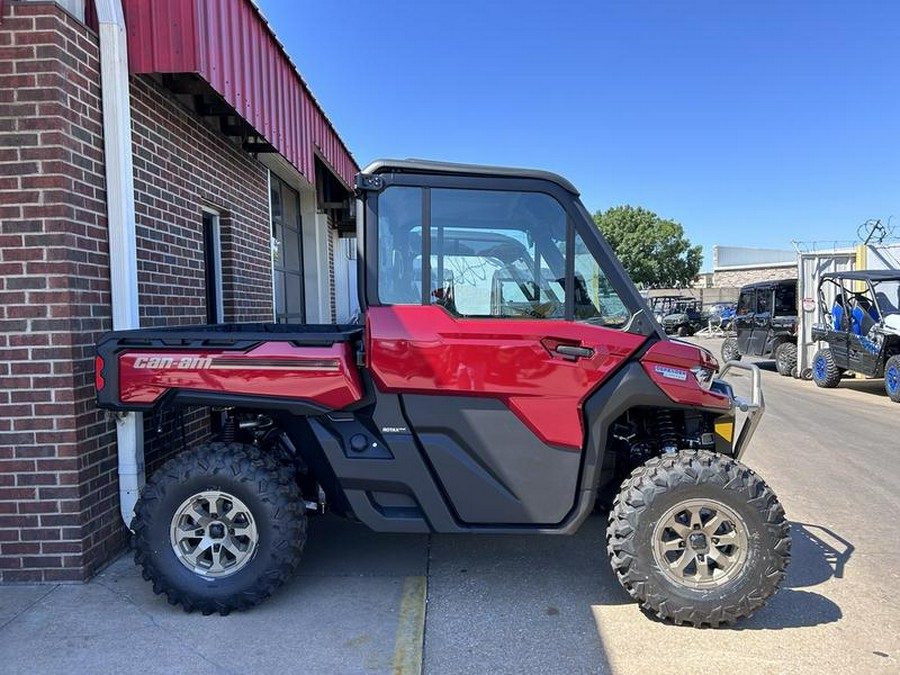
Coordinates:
(817, 555)
(507, 603)
(874, 387)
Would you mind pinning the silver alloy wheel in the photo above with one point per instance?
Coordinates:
(700, 543)
(213, 534)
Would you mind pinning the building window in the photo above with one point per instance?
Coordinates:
(287, 246)
(212, 258)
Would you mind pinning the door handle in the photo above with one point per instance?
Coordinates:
(574, 352)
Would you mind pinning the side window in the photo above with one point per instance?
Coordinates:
(746, 303)
(595, 299)
(785, 300)
(498, 254)
(764, 301)
(489, 253)
(400, 246)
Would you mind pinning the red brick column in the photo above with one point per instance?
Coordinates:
(59, 515)
(58, 488)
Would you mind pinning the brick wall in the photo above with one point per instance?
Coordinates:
(738, 278)
(59, 516)
(182, 165)
(58, 493)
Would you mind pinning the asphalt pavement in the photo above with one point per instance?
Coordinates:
(375, 603)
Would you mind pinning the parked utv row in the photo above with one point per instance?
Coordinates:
(860, 327)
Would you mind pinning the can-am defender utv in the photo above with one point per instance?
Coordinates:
(860, 326)
(765, 325)
(450, 412)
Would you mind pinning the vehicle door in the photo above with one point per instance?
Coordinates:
(836, 315)
(743, 318)
(762, 321)
(492, 383)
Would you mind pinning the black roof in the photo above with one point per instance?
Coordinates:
(763, 284)
(452, 168)
(864, 275)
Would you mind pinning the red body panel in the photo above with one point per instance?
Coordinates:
(324, 375)
(669, 363)
(426, 350)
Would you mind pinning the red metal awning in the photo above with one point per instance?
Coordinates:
(231, 46)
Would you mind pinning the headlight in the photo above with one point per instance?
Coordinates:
(706, 371)
(704, 376)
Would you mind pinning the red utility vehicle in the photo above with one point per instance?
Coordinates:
(507, 374)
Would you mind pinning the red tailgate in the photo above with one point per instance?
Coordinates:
(324, 375)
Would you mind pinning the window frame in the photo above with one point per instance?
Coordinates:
(212, 252)
(749, 311)
(276, 183)
(576, 222)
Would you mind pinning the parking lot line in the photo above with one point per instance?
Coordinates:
(411, 627)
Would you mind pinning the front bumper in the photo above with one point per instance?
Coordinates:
(754, 408)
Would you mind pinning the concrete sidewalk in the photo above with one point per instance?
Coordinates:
(340, 614)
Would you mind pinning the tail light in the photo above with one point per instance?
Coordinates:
(98, 373)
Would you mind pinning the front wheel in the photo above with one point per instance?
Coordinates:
(825, 372)
(892, 378)
(730, 351)
(698, 538)
(219, 528)
(786, 358)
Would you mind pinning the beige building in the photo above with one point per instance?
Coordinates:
(735, 266)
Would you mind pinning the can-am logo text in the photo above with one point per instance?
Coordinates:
(184, 363)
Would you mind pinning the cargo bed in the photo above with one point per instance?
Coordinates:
(286, 366)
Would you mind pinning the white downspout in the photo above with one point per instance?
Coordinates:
(122, 238)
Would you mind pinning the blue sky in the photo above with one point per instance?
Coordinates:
(751, 123)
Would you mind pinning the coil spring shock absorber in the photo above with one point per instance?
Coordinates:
(665, 431)
(229, 429)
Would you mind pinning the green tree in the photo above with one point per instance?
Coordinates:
(654, 251)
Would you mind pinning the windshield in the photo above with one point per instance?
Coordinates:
(887, 295)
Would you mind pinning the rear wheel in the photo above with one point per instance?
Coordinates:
(892, 378)
(786, 358)
(698, 538)
(824, 371)
(730, 350)
(219, 528)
